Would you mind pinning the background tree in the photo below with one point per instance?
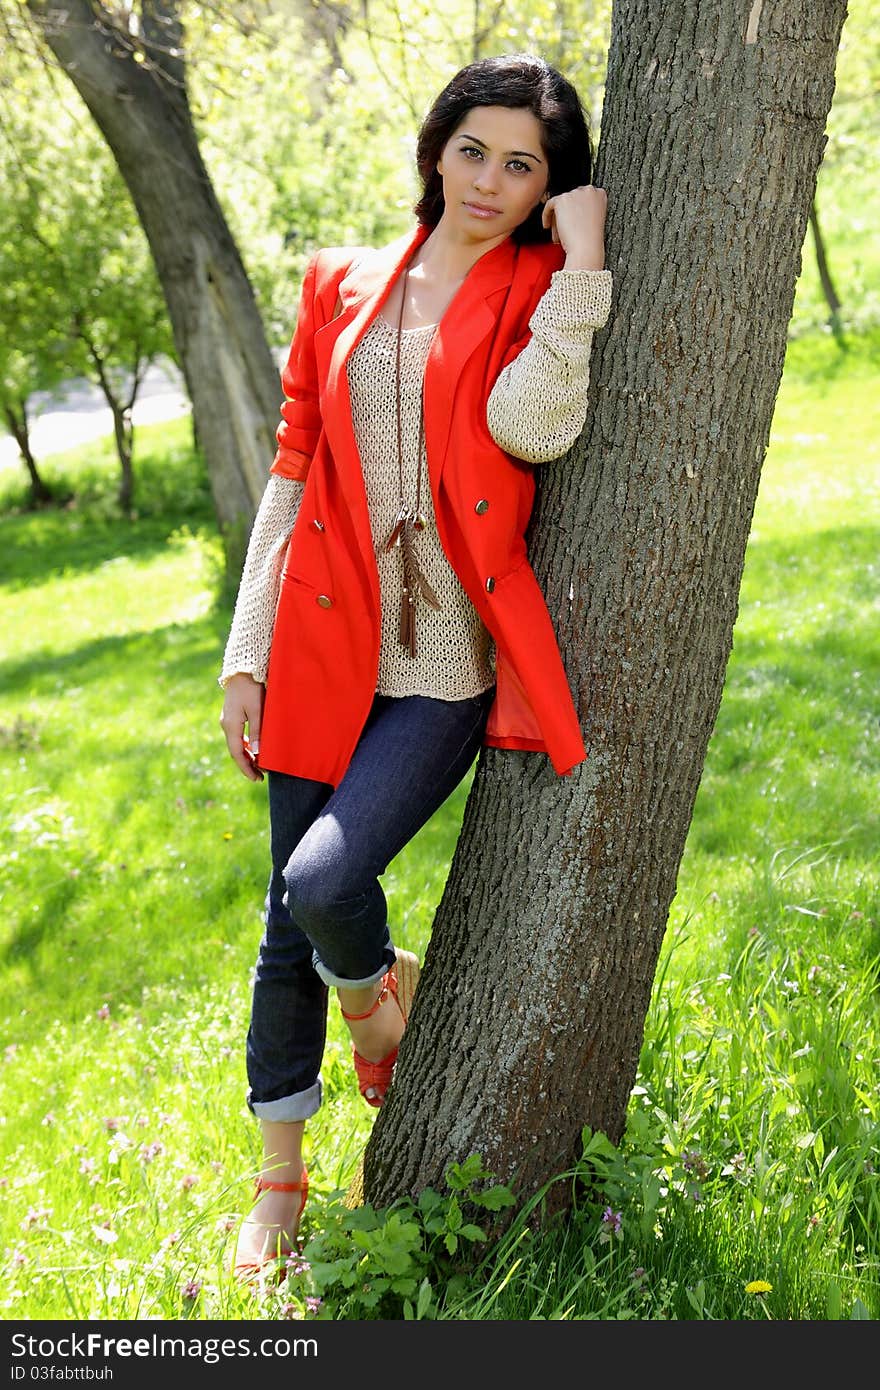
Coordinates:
(32, 352)
(128, 65)
(529, 1018)
(81, 296)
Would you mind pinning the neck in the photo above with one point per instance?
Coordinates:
(447, 255)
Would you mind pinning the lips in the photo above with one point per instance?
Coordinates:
(482, 209)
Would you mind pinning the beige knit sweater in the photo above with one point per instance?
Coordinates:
(536, 411)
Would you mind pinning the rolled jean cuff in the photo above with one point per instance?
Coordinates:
(339, 982)
(300, 1106)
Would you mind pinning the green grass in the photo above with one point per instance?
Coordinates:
(132, 865)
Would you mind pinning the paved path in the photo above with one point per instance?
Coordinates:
(81, 413)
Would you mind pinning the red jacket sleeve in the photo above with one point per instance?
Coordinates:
(539, 261)
(300, 424)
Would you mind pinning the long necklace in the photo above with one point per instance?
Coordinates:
(409, 520)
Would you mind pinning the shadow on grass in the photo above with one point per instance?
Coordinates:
(35, 548)
(179, 651)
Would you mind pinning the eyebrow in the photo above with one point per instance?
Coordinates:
(463, 135)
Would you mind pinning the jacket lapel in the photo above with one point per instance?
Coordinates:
(471, 316)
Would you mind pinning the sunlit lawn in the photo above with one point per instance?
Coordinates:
(132, 867)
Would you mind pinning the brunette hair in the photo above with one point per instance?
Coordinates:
(516, 80)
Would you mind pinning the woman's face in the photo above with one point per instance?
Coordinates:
(494, 171)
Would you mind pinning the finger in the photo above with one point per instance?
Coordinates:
(548, 213)
(254, 717)
(233, 725)
(251, 767)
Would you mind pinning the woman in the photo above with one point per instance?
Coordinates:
(388, 623)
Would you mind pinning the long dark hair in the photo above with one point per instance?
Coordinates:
(516, 80)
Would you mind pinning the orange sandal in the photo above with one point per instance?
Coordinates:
(249, 1270)
(400, 982)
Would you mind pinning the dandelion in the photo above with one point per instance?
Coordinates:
(759, 1286)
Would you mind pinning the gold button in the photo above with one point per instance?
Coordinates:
(318, 525)
(490, 584)
(482, 506)
(325, 600)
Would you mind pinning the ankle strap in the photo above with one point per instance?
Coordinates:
(267, 1185)
(383, 995)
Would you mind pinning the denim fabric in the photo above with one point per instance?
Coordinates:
(326, 919)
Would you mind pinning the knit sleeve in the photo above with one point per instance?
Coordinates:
(253, 620)
(538, 405)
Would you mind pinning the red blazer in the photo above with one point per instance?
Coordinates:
(324, 659)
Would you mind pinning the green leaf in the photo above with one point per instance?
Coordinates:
(426, 1294)
(403, 1285)
(472, 1233)
(461, 1175)
(833, 1301)
(494, 1198)
(451, 1242)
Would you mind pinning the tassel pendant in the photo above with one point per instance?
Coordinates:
(408, 622)
(393, 537)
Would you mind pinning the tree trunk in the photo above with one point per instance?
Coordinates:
(825, 279)
(18, 428)
(136, 92)
(529, 1017)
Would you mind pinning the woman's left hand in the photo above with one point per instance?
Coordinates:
(577, 222)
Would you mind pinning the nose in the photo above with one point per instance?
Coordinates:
(486, 178)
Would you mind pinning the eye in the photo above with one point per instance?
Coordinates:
(471, 150)
(519, 166)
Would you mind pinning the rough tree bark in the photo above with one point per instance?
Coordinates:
(135, 88)
(530, 1013)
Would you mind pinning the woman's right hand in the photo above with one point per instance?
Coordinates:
(243, 710)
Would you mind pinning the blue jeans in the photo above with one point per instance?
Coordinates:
(326, 919)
